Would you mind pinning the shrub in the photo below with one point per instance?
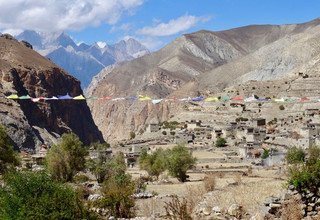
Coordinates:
(306, 176)
(81, 178)
(194, 195)
(313, 154)
(30, 195)
(209, 182)
(66, 158)
(281, 107)
(8, 157)
(132, 135)
(164, 132)
(295, 155)
(265, 154)
(221, 142)
(241, 119)
(177, 209)
(291, 210)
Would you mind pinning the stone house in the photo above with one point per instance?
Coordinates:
(183, 137)
(193, 124)
(259, 122)
(152, 127)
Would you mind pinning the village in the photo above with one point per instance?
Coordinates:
(249, 129)
(242, 145)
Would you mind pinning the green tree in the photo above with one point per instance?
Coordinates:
(179, 160)
(118, 189)
(67, 158)
(221, 142)
(99, 166)
(154, 163)
(295, 155)
(8, 157)
(32, 196)
(117, 194)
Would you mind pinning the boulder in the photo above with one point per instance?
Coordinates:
(234, 210)
(216, 209)
(206, 211)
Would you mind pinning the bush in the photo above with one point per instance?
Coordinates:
(313, 155)
(291, 209)
(177, 209)
(221, 142)
(67, 158)
(295, 155)
(8, 157)
(281, 107)
(265, 154)
(241, 119)
(170, 125)
(132, 135)
(164, 132)
(81, 178)
(179, 160)
(209, 182)
(306, 176)
(30, 195)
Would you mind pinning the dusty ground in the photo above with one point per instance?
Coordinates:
(249, 190)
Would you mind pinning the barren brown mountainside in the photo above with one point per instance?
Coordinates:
(25, 72)
(204, 62)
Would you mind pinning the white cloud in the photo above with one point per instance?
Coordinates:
(13, 32)
(174, 26)
(53, 15)
(152, 43)
(123, 27)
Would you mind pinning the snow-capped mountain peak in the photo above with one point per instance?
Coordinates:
(83, 61)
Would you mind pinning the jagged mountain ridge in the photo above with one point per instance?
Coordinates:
(204, 62)
(83, 61)
(25, 72)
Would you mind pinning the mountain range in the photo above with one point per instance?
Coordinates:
(238, 61)
(82, 61)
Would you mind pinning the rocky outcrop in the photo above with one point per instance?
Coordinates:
(294, 204)
(29, 124)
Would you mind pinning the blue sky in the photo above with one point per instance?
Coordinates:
(153, 22)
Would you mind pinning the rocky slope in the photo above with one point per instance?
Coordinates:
(82, 61)
(25, 72)
(206, 62)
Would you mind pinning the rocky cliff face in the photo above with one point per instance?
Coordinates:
(205, 63)
(25, 72)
